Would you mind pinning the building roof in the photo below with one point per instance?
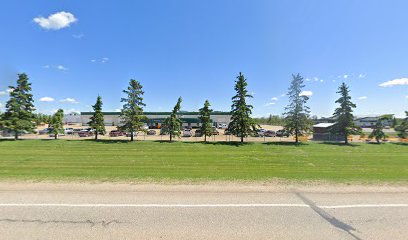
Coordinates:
(161, 113)
(323, 125)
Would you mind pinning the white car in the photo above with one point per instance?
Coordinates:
(187, 133)
(69, 131)
(222, 126)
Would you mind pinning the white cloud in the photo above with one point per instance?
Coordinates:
(118, 110)
(46, 66)
(306, 93)
(406, 97)
(315, 79)
(104, 60)
(47, 99)
(9, 90)
(78, 36)
(395, 82)
(2, 93)
(62, 68)
(321, 80)
(269, 104)
(93, 60)
(345, 76)
(282, 95)
(56, 21)
(69, 100)
(1, 105)
(333, 80)
(274, 99)
(361, 75)
(307, 79)
(362, 98)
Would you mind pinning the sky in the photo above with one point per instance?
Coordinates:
(75, 50)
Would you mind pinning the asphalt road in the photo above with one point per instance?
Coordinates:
(109, 211)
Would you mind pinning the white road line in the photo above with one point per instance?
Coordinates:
(243, 205)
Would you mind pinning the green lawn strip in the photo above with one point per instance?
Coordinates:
(104, 160)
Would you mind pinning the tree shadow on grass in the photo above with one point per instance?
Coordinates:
(220, 143)
(105, 141)
(340, 144)
(400, 143)
(286, 143)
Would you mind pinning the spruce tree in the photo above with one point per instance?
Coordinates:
(297, 113)
(172, 124)
(132, 111)
(19, 115)
(57, 123)
(378, 132)
(97, 120)
(241, 125)
(344, 125)
(402, 128)
(206, 122)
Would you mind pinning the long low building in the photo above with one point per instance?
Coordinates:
(156, 119)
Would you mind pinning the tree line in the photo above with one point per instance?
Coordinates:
(19, 113)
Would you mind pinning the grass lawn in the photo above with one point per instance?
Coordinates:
(156, 161)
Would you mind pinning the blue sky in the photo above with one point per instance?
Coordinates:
(195, 49)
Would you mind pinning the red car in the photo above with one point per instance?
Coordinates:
(116, 133)
(85, 134)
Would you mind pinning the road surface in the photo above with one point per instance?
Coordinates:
(123, 211)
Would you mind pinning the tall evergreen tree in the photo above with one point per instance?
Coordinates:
(97, 120)
(206, 122)
(132, 112)
(241, 125)
(172, 124)
(297, 113)
(402, 128)
(57, 123)
(344, 114)
(19, 115)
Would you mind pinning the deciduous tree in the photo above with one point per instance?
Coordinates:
(57, 124)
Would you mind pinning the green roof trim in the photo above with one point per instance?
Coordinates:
(215, 113)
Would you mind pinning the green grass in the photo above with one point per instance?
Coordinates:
(156, 161)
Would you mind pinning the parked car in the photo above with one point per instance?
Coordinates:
(59, 134)
(259, 133)
(129, 134)
(282, 133)
(85, 134)
(198, 133)
(187, 133)
(45, 131)
(76, 130)
(270, 133)
(222, 125)
(151, 132)
(215, 131)
(69, 131)
(116, 133)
